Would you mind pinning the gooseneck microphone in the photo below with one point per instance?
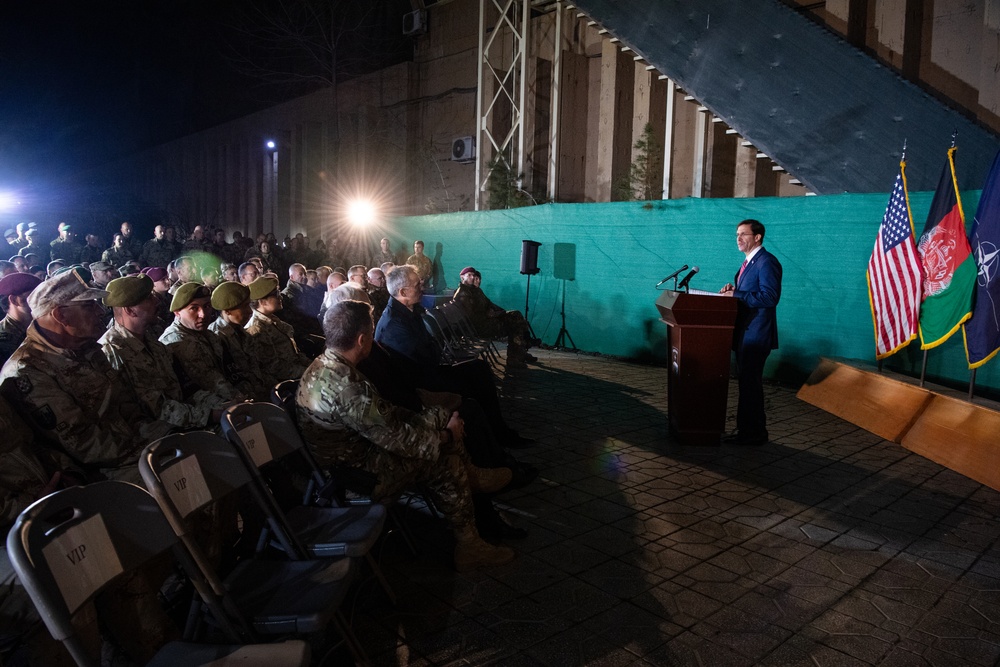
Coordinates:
(673, 275)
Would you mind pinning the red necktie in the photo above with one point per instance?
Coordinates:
(740, 274)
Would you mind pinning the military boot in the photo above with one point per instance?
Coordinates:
(488, 480)
(472, 552)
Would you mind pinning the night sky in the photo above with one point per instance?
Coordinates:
(85, 82)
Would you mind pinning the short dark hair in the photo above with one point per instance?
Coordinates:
(756, 227)
(344, 321)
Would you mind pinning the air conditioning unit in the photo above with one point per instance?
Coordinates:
(415, 23)
(463, 149)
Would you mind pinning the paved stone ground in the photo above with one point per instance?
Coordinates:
(827, 546)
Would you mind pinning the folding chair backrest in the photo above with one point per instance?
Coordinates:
(188, 471)
(283, 395)
(270, 441)
(70, 545)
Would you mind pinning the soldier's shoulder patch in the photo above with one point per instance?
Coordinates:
(378, 410)
(23, 385)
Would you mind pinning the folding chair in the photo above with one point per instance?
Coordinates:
(457, 319)
(461, 346)
(283, 396)
(266, 437)
(71, 545)
(188, 472)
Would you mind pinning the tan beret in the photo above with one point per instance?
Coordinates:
(187, 293)
(128, 291)
(230, 295)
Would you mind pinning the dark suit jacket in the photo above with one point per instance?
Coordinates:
(758, 292)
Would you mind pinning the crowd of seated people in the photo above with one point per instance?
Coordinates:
(107, 350)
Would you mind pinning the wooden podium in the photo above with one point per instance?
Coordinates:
(699, 340)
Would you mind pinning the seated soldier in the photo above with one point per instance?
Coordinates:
(345, 420)
(240, 360)
(198, 352)
(279, 356)
(14, 291)
(60, 380)
(492, 321)
(145, 362)
(401, 330)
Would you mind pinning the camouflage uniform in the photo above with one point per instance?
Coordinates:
(117, 257)
(23, 476)
(423, 264)
(157, 253)
(90, 254)
(344, 420)
(11, 335)
(240, 359)
(199, 356)
(34, 247)
(147, 364)
(65, 250)
(280, 358)
(77, 403)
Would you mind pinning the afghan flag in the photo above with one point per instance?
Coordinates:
(982, 332)
(948, 266)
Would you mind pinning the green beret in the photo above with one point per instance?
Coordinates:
(230, 295)
(261, 287)
(128, 291)
(187, 293)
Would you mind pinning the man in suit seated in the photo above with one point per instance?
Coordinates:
(401, 330)
(758, 289)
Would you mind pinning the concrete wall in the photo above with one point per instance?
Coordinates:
(623, 249)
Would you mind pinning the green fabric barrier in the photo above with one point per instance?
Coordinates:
(623, 249)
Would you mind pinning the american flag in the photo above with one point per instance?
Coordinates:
(894, 277)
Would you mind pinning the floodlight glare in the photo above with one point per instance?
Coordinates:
(270, 145)
(361, 212)
(8, 201)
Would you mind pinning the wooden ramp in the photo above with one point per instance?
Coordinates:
(935, 422)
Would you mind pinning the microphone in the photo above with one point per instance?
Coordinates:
(684, 282)
(673, 275)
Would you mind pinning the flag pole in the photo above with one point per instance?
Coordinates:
(972, 383)
(923, 369)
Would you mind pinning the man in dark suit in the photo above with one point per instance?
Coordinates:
(758, 289)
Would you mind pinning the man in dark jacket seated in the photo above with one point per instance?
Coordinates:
(401, 330)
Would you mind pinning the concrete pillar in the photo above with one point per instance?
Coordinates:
(573, 136)
(614, 134)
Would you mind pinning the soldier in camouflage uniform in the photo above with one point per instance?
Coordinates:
(197, 351)
(63, 384)
(14, 291)
(65, 247)
(345, 420)
(492, 321)
(157, 251)
(240, 360)
(275, 340)
(34, 246)
(27, 473)
(146, 363)
(118, 254)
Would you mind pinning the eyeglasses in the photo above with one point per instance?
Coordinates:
(742, 234)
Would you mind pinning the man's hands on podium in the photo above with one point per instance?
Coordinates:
(728, 289)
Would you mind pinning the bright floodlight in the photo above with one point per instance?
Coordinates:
(361, 212)
(270, 145)
(7, 201)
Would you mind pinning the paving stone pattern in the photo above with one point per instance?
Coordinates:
(828, 546)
